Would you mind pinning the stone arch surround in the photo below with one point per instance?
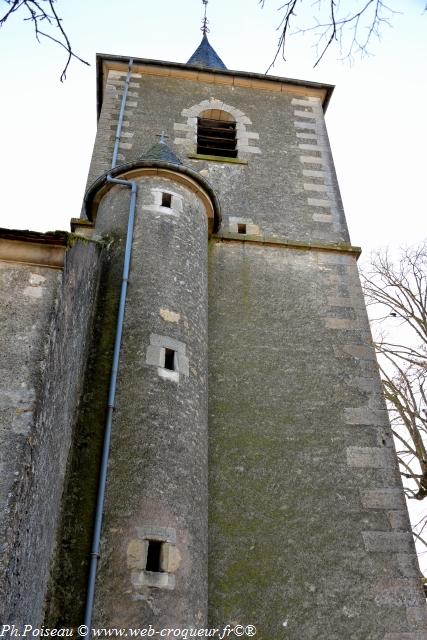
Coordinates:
(186, 132)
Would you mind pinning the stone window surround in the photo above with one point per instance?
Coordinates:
(156, 356)
(176, 202)
(165, 578)
(187, 132)
(251, 228)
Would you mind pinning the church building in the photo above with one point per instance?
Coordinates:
(193, 432)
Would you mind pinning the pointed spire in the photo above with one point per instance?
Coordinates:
(205, 55)
(161, 152)
(205, 29)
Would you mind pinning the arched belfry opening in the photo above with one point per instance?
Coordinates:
(216, 134)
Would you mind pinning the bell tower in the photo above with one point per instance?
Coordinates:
(249, 476)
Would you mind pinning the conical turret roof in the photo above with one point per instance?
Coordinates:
(161, 152)
(206, 56)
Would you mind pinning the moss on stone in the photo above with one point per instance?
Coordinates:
(67, 590)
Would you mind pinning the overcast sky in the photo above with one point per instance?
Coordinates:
(376, 119)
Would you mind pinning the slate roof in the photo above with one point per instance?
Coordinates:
(206, 56)
(161, 152)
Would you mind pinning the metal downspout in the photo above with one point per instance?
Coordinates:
(94, 557)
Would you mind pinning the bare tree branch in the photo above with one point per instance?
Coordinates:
(396, 292)
(43, 11)
(332, 22)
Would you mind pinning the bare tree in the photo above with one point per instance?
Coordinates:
(352, 26)
(396, 295)
(43, 15)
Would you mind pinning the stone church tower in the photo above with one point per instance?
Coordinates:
(193, 415)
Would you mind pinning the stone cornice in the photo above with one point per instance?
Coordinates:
(342, 247)
(33, 248)
(244, 79)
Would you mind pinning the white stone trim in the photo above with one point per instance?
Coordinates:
(302, 102)
(316, 187)
(307, 136)
(304, 114)
(312, 160)
(251, 228)
(156, 207)
(318, 202)
(187, 131)
(155, 356)
(313, 110)
(322, 217)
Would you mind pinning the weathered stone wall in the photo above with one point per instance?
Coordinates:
(288, 187)
(107, 123)
(157, 483)
(47, 317)
(309, 534)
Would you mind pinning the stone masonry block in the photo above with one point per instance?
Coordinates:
(154, 356)
(313, 173)
(307, 136)
(183, 364)
(369, 457)
(341, 323)
(399, 520)
(368, 385)
(317, 202)
(131, 94)
(353, 301)
(357, 351)
(179, 126)
(315, 187)
(249, 149)
(365, 415)
(388, 542)
(305, 125)
(322, 217)
(310, 147)
(398, 593)
(417, 617)
(408, 565)
(412, 635)
(122, 74)
(336, 301)
(312, 160)
(301, 102)
(150, 532)
(169, 343)
(383, 498)
(304, 114)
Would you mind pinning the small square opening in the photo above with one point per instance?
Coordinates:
(167, 200)
(170, 359)
(154, 553)
(241, 228)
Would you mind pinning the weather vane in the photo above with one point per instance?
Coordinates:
(204, 27)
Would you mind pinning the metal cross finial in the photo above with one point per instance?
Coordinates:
(162, 137)
(204, 28)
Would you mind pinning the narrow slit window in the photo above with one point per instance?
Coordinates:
(241, 228)
(216, 138)
(167, 200)
(170, 359)
(154, 552)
